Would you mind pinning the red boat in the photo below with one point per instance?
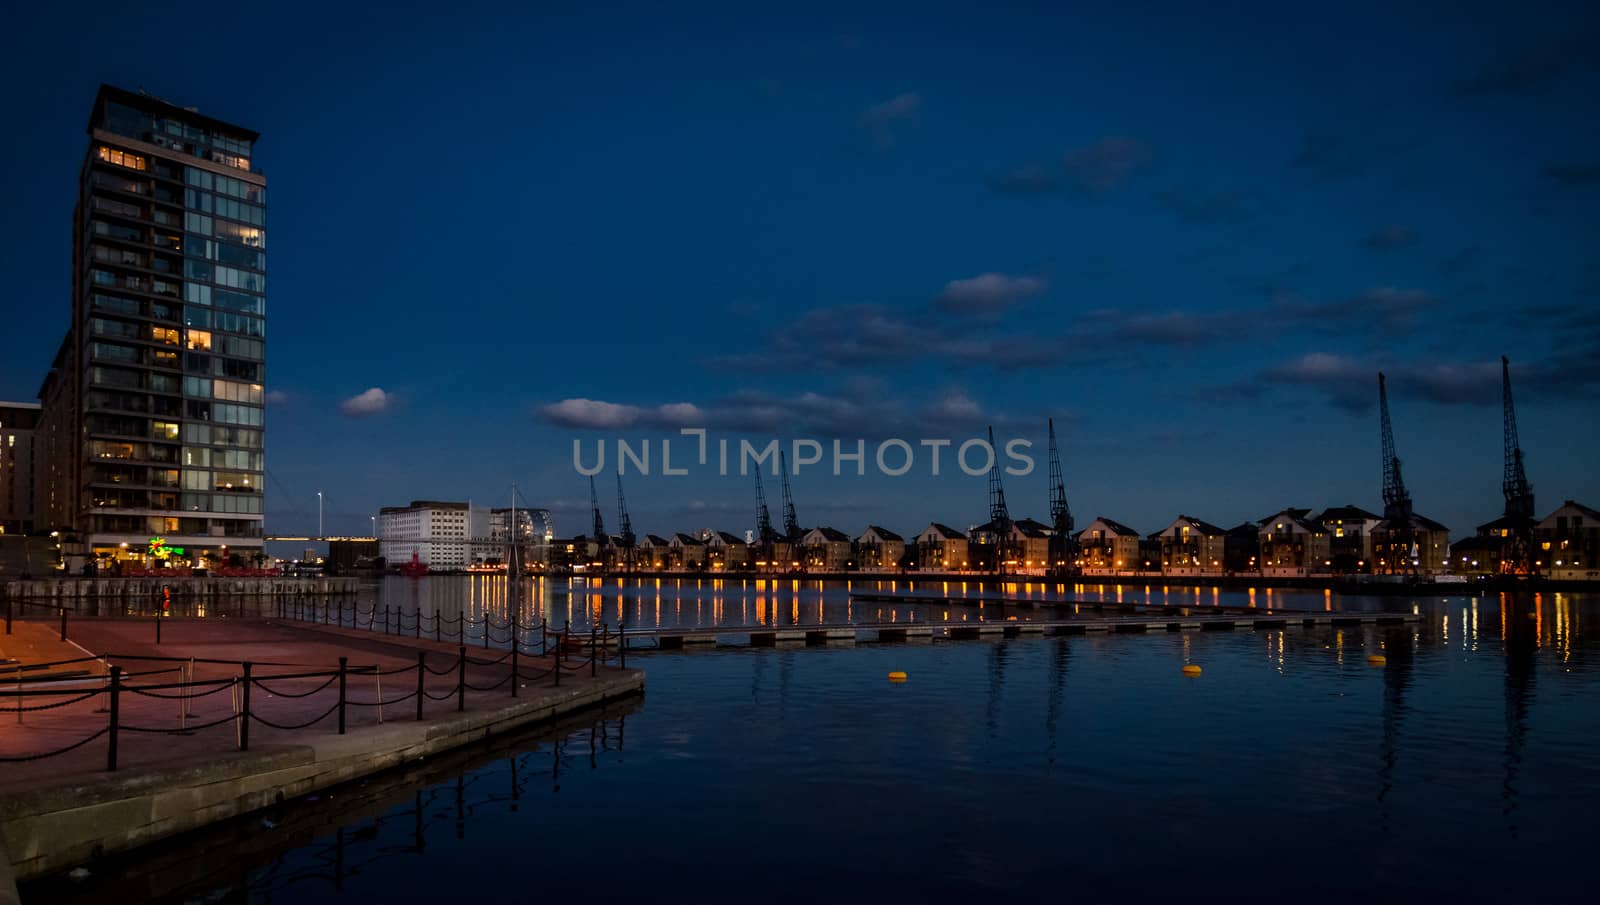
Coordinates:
(415, 568)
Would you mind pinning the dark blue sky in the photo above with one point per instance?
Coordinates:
(1192, 235)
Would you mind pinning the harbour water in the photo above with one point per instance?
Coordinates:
(1463, 768)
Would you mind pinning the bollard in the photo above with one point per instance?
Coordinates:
(593, 652)
(63, 623)
(244, 707)
(111, 723)
(513, 664)
(461, 680)
(344, 663)
(422, 671)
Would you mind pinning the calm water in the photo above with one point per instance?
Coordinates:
(1464, 769)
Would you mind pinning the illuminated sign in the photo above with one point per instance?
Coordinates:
(160, 550)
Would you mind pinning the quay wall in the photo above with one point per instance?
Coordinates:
(51, 829)
(192, 587)
(1365, 585)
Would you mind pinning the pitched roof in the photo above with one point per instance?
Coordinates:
(1204, 527)
(1029, 528)
(883, 533)
(830, 535)
(1116, 527)
(1574, 504)
(1508, 523)
(1296, 517)
(1346, 513)
(728, 538)
(944, 531)
(687, 539)
(655, 540)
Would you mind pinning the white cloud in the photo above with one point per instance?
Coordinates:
(370, 402)
(595, 414)
(988, 293)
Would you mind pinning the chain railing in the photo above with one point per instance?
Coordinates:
(18, 692)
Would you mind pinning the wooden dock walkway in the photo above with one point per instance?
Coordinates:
(674, 638)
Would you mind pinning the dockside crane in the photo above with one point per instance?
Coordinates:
(766, 536)
(1063, 542)
(1396, 500)
(791, 522)
(1517, 556)
(999, 516)
(598, 532)
(627, 540)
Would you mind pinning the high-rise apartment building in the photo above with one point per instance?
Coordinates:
(153, 412)
(17, 479)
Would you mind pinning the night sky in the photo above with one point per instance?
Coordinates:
(1191, 235)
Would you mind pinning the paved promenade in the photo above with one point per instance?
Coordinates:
(56, 810)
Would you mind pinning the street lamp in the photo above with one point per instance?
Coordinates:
(319, 515)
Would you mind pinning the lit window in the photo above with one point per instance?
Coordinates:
(121, 158)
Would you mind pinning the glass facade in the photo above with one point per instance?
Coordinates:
(172, 326)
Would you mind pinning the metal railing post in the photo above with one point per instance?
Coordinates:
(63, 623)
(422, 671)
(436, 623)
(555, 663)
(8, 616)
(418, 630)
(158, 628)
(244, 727)
(594, 668)
(461, 679)
(111, 722)
(622, 639)
(485, 631)
(386, 619)
(344, 663)
(513, 663)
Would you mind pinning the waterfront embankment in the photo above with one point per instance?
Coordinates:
(1370, 585)
(202, 587)
(224, 717)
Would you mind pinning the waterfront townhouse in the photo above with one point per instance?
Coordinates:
(1030, 544)
(1190, 546)
(655, 552)
(827, 549)
(1567, 543)
(1350, 530)
(1412, 544)
(880, 548)
(687, 552)
(1108, 547)
(941, 548)
(1293, 546)
(727, 552)
(1241, 549)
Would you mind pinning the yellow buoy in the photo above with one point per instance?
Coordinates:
(1191, 670)
(1377, 660)
(897, 676)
